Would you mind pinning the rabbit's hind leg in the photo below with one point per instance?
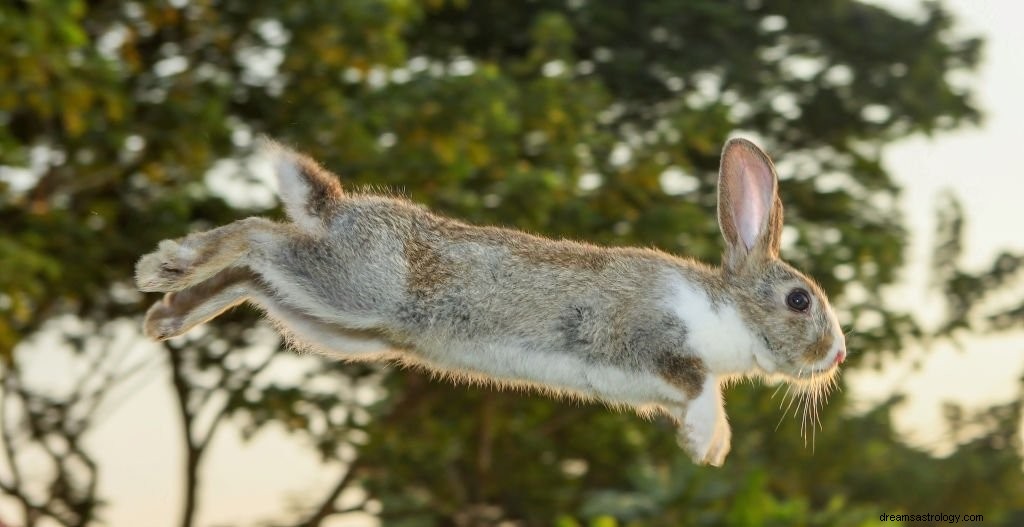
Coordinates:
(183, 310)
(178, 264)
(180, 311)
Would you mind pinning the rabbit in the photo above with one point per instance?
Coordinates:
(359, 276)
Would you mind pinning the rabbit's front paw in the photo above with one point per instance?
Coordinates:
(169, 268)
(703, 427)
(706, 443)
(721, 443)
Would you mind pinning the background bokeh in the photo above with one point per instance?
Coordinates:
(123, 123)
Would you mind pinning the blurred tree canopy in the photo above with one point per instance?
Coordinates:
(599, 120)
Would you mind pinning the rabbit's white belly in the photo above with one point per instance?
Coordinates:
(512, 364)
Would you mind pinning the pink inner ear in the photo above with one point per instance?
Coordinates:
(755, 198)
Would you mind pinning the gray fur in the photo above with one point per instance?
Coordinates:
(376, 277)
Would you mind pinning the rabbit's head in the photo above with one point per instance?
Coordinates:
(787, 310)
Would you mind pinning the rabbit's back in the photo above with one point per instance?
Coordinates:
(506, 304)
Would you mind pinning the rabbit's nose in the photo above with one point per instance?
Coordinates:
(841, 356)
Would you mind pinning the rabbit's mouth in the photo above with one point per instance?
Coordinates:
(823, 371)
(829, 364)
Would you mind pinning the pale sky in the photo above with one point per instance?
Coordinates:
(140, 456)
(981, 165)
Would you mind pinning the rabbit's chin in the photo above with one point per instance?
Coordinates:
(802, 375)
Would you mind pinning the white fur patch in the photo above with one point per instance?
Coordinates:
(705, 425)
(720, 337)
(510, 363)
(306, 332)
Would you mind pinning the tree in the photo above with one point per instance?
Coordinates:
(592, 120)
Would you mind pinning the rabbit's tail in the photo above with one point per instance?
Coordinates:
(309, 192)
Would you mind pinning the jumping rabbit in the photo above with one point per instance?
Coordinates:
(371, 277)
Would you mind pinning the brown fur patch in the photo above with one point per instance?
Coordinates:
(773, 236)
(683, 371)
(428, 269)
(564, 254)
(324, 189)
(819, 349)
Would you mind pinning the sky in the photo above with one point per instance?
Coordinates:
(981, 166)
(246, 482)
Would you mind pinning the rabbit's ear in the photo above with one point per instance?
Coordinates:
(749, 208)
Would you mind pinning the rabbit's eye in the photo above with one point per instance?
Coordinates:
(798, 300)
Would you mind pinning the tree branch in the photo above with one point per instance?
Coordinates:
(192, 452)
(327, 505)
(31, 511)
(250, 377)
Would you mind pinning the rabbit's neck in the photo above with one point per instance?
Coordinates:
(716, 330)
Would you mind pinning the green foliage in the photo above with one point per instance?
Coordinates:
(556, 117)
